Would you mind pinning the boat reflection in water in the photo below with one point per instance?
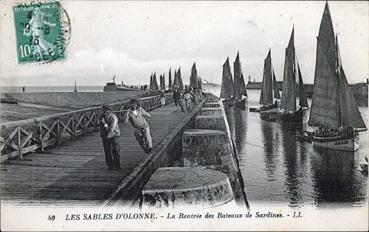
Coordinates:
(280, 168)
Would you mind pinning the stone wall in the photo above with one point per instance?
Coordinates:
(205, 146)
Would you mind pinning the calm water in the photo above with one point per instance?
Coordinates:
(279, 168)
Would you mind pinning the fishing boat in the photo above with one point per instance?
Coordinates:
(268, 109)
(240, 93)
(288, 112)
(227, 87)
(333, 111)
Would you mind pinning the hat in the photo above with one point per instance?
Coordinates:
(107, 107)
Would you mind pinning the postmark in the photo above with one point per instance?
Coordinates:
(42, 32)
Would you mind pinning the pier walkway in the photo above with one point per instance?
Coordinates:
(75, 172)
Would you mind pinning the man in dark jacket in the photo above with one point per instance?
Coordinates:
(109, 132)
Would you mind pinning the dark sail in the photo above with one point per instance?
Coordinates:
(289, 77)
(163, 82)
(180, 82)
(170, 79)
(266, 96)
(227, 88)
(175, 82)
(243, 86)
(275, 87)
(325, 109)
(237, 77)
(154, 83)
(193, 77)
(302, 97)
(350, 115)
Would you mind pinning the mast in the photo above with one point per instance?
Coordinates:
(266, 96)
(289, 77)
(325, 107)
(302, 97)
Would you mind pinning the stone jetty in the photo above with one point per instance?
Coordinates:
(208, 164)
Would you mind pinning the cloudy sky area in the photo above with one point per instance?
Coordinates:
(132, 39)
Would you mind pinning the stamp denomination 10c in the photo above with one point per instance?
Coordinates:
(39, 32)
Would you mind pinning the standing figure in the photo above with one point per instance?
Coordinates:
(109, 132)
(136, 115)
(162, 98)
(176, 95)
(188, 98)
(181, 101)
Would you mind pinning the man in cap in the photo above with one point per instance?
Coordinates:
(109, 132)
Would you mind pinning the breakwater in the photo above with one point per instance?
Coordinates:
(206, 173)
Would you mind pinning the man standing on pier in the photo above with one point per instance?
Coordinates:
(136, 115)
(109, 132)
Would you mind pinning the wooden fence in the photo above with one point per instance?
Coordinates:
(36, 134)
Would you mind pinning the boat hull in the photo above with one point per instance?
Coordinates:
(341, 143)
(270, 115)
(295, 117)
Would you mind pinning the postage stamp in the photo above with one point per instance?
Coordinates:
(42, 32)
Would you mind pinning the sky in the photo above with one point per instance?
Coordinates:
(131, 39)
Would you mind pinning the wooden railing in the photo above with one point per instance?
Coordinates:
(36, 134)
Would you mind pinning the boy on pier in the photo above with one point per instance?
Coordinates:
(136, 115)
(109, 132)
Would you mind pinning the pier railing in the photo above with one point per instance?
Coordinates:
(36, 134)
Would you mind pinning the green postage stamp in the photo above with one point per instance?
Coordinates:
(41, 32)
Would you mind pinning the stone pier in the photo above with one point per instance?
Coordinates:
(210, 145)
(211, 122)
(190, 187)
(210, 166)
(205, 147)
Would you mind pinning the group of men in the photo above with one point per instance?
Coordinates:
(136, 115)
(186, 97)
(110, 132)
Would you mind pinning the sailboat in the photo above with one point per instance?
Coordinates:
(333, 110)
(240, 93)
(268, 109)
(288, 111)
(227, 88)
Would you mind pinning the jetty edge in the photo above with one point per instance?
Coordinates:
(196, 165)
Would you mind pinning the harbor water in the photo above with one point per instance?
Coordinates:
(280, 168)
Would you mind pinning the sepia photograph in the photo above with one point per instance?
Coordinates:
(184, 115)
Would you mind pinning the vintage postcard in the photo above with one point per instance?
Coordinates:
(184, 115)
